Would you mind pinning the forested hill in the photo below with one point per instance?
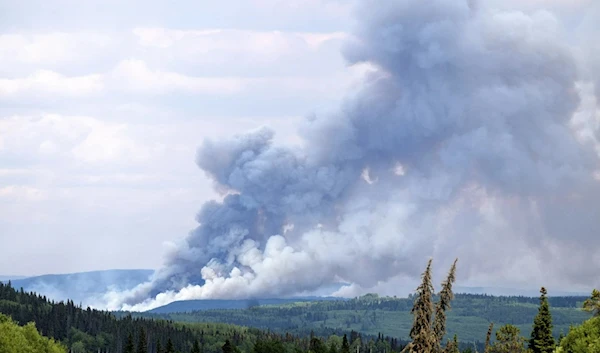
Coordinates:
(89, 330)
(81, 287)
(469, 316)
(211, 304)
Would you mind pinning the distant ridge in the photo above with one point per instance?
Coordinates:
(500, 291)
(82, 287)
(233, 304)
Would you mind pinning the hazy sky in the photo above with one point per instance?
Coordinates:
(103, 104)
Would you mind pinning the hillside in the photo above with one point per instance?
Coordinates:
(87, 330)
(215, 304)
(469, 317)
(83, 287)
(93, 330)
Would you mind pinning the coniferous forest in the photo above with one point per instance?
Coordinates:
(42, 325)
(89, 330)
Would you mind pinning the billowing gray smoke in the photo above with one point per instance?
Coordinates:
(472, 139)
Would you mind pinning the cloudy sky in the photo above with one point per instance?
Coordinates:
(103, 104)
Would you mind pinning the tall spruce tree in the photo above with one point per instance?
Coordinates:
(423, 337)
(142, 346)
(169, 348)
(158, 346)
(129, 346)
(488, 338)
(345, 345)
(443, 304)
(429, 327)
(541, 340)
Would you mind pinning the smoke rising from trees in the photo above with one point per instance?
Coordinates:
(476, 137)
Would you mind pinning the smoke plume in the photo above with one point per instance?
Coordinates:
(476, 137)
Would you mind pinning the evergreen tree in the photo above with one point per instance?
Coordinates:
(142, 346)
(452, 346)
(423, 337)
(129, 346)
(542, 340)
(428, 329)
(593, 304)
(508, 340)
(227, 347)
(169, 348)
(345, 345)
(443, 304)
(196, 347)
(158, 346)
(488, 338)
(317, 346)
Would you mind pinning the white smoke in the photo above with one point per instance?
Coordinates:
(476, 138)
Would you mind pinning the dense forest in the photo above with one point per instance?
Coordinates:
(371, 314)
(89, 330)
(27, 317)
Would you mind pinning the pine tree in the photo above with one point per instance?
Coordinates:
(158, 346)
(129, 346)
(542, 340)
(443, 304)
(452, 346)
(423, 337)
(593, 304)
(345, 345)
(196, 347)
(317, 346)
(508, 340)
(227, 347)
(428, 329)
(142, 346)
(169, 348)
(488, 338)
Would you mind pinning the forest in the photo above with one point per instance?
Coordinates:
(88, 330)
(47, 326)
(372, 314)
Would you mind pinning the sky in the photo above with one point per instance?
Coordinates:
(104, 104)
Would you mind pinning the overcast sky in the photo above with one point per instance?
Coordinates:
(104, 102)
